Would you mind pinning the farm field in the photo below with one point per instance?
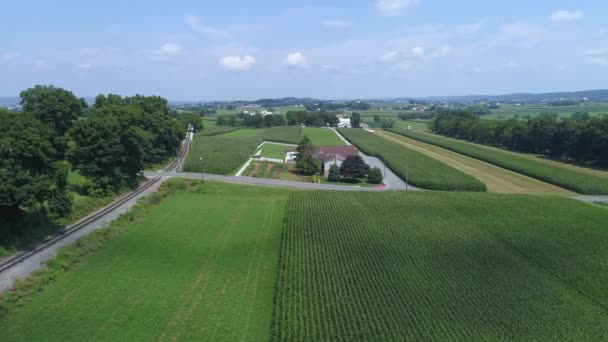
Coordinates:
(415, 125)
(511, 111)
(496, 179)
(323, 136)
(274, 151)
(443, 267)
(244, 133)
(211, 131)
(223, 154)
(574, 178)
(415, 167)
(200, 265)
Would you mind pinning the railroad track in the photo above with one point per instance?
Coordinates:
(68, 231)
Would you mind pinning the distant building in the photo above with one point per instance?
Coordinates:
(344, 123)
(329, 155)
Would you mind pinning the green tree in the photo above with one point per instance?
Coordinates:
(375, 176)
(354, 168)
(355, 120)
(30, 176)
(306, 163)
(377, 118)
(193, 118)
(108, 150)
(55, 107)
(334, 173)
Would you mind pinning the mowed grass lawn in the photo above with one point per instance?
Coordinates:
(275, 151)
(244, 132)
(199, 266)
(322, 136)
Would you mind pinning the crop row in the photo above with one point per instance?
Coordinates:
(439, 267)
(417, 168)
(570, 179)
(283, 134)
(221, 155)
(211, 131)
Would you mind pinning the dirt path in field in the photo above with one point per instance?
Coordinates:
(536, 158)
(497, 179)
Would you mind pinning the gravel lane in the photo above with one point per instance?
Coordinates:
(36, 261)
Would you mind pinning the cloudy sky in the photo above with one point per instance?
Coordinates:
(247, 49)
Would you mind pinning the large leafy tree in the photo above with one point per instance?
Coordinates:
(193, 118)
(306, 163)
(355, 120)
(354, 167)
(55, 107)
(30, 176)
(108, 149)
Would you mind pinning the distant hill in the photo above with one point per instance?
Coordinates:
(591, 95)
(9, 101)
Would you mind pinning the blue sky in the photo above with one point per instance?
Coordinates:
(213, 50)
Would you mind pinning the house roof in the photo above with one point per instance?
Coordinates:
(330, 153)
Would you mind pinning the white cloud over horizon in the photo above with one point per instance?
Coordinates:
(170, 49)
(237, 63)
(567, 16)
(392, 8)
(296, 59)
(338, 23)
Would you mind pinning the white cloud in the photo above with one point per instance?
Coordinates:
(169, 49)
(237, 63)
(212, 32)
(391, 8)
(338, 23)
(296, 59)
(9, 55)
(520, 30)
(390, 56)
(597, 57)
(567, 16)
(84, 66)
(418, 51)
(442, 51)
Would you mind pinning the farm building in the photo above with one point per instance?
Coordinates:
(329, 155)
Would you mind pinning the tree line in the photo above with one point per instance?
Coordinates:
(580, 138)
(109, 143)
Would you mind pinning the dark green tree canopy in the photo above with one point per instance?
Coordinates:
(306, 163)
(375, 176)
(30, 177)
(354, 167)
(334, 173)
(55, 107)
(355, 120)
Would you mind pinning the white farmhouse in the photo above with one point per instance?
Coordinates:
(344, 123)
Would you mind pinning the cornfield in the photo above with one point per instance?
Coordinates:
(570, 179)
(418, 169)
(441, 267)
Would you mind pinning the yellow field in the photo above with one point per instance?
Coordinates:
(497, 179)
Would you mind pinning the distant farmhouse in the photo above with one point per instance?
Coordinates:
(256, 109)
(329, 155)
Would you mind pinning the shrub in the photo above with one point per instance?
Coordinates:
(375, 176)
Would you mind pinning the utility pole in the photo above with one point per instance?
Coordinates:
(202, 169)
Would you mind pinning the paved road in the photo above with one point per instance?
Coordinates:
(266, 182)
(599, 199)
(392, 181)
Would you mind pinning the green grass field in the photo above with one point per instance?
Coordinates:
(441, 267)
(323, 136)
(221, 154)
(566, 176)
(274, 151)
(199, 266)
(511, 111)
(244, 132)
(413, 125)
(419, 170)
(211, 131)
